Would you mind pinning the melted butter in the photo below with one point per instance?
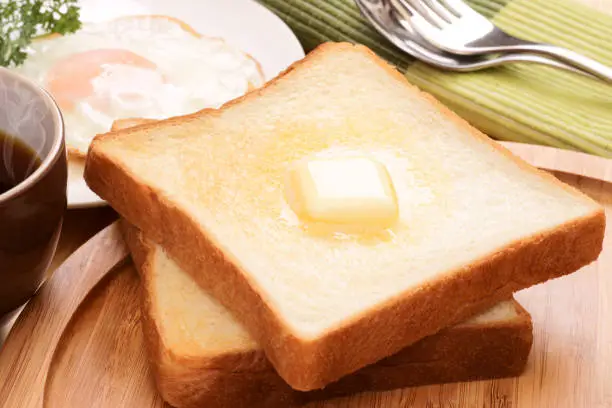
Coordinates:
(418, 186)
(352, 192)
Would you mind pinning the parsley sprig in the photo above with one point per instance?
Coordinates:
(23, 20)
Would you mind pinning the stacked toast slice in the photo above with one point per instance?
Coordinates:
(467, 223)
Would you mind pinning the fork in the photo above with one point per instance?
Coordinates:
(455, 27)
(383, 18)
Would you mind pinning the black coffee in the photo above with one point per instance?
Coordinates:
(17, 161)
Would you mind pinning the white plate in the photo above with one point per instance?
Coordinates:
(242, 23)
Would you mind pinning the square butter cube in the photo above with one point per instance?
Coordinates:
(345, 190)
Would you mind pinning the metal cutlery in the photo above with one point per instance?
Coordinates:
(383, 18)
(454, 27)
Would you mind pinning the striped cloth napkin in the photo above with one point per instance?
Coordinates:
(520, 102)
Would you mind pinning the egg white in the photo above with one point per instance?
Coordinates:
(191, 73)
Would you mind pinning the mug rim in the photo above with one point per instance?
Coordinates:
(57, 147)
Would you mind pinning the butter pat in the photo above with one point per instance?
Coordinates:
(343, 190)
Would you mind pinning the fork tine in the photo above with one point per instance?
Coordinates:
(440, 9)
(410, 9)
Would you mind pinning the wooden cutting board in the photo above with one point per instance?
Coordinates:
(78, 343)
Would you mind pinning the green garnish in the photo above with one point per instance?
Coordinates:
(23, 20)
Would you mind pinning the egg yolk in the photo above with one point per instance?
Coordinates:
(70, 80)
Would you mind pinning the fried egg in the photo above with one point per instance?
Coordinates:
(138, 66)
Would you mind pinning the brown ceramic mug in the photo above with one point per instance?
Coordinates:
(32, 200)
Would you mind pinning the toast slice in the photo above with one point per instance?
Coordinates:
(202, 357)
(476, 223)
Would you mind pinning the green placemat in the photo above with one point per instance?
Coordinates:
(520, 102)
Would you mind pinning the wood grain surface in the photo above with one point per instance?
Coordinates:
(79, 343)
(27, 354)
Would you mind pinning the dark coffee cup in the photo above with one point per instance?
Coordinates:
(33, 190)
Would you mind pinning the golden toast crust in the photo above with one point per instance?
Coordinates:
(246, 378)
